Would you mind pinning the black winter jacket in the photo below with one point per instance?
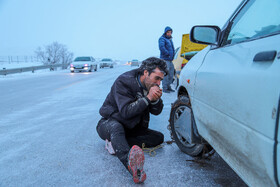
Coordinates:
(127, 103)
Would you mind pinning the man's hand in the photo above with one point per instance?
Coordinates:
(155, 93)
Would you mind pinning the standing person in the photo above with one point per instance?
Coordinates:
(126, 114)
(167, 53)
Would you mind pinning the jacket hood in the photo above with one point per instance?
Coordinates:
(167, 29)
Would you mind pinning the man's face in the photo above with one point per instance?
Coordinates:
(169, 33)
(153, 79)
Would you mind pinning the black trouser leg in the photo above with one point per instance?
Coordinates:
(151, 138)
(114, 131)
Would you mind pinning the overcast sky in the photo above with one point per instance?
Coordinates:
(119, 29)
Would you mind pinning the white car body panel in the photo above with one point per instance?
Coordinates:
(235, 101)
(278, 150)
(190, 74)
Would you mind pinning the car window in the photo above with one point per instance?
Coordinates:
(82, 59)
(106, 59)
(258, 18)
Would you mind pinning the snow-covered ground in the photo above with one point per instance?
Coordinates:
(48, 137)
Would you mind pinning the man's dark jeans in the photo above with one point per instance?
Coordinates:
(123, 139)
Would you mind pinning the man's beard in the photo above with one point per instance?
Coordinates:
(148, 86)
(145, 84)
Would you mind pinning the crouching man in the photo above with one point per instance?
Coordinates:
(126, 114)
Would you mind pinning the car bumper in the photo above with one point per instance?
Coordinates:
(79, 68)
(106, 65)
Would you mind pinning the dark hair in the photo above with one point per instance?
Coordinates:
(150, 64)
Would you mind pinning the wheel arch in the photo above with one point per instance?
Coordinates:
(182, 91)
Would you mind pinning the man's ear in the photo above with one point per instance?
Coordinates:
(146, 73)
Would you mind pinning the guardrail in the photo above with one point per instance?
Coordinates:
(32, 68)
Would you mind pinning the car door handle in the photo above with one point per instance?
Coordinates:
(265, 56)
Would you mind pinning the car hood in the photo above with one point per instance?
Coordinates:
(81, 62)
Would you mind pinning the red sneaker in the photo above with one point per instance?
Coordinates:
(136, 161)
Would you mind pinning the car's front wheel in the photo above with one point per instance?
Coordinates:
(90, 69)
(183, 104)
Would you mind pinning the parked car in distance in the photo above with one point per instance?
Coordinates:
(106, 62)
(83, 63)
(134, 62)
(228, 94)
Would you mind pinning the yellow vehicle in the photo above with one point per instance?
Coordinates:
(184, 53)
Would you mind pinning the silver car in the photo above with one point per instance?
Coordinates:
(135, 62)
(83, 63)
(106, 62)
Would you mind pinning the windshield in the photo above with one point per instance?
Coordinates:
(82, 59)
(257, 19)
(106, 59)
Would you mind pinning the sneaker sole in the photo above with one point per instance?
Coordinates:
(136, 161)
(109, 148)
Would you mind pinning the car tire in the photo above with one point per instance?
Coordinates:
(90, 69)
(190, 149)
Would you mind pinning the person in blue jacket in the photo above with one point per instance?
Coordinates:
(167, 53)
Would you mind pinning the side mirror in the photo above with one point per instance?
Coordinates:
(205, 34)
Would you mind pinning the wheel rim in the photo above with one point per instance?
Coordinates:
(177, 114)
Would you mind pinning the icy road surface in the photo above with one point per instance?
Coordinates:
(48, 137)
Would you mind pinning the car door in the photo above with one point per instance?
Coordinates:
(237, 89)
(277, 148)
